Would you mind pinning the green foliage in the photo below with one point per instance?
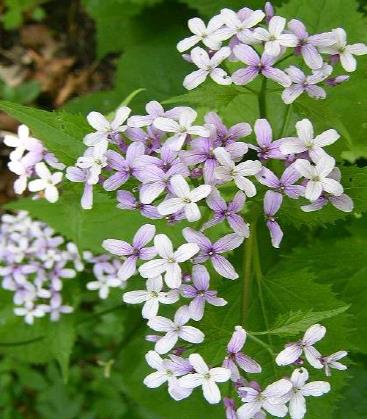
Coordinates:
(15, 9)
(24, 93)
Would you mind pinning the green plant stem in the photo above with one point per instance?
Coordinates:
(261, 343)
(247, 274)
(262, 99)
(286, 121)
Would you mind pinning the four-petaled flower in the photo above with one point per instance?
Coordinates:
(301, 389)
(184, 199)
(236, 357)
(206, 378)
(133, 252)
(151, 297)
(169, 262)
(200, 293)
(293, 351)
(266, 148)
(208, 66)
(46, 183)
(332, 361)
(174, 329)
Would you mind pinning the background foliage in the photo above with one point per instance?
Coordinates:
(90, 365)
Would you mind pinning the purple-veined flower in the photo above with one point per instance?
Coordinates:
(75, 174)
(274, 39)
(341, 202)
(124, 166)
(269, 11)
(126, 200)
(235, 356)
(184, 199)
(230, 408)
(306, 141)
(169, 261)
(228, 171)
(301, 389)
(335, 81)
(94, 160)
(257, 65)
(209, 34)
(174, 329)
(134, 252)
(308, 45)
(293, 351)
(302, 83)
(266, 148)
(29, 311)
(317, 176)
(165, 373)
(21, 143)
(332, 361)
(229, 212)
(285, 185)
(344, 51)
(272, 399)
(151, 297)
(239, 24)
(200, 293)
(24, 171)
(104, 281)
(46, 183)
(206, 378)
(181, 129)
(106, 130)
(213, 251)
(207, 66)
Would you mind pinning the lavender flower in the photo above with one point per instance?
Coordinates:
(127, 201)
(174, 330)
(224, 211)
(285, 184)
(75, 174)
(213, 251)
(267, 148)
(133, 252)
(332, 361)
(200, 293)
(236, 357)
(257, 65)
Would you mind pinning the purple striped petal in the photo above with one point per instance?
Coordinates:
(223, 267)
(144, 235)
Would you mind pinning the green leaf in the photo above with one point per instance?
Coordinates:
(60, 132)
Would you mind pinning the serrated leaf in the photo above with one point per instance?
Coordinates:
(60, 132)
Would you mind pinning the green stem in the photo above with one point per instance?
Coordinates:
(247, 274)
(262, 99)
(286, 121)
(261, 343)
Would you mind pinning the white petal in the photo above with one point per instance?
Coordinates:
(185, 252)
(313, 334)
(98, 121)
(289, 355)
(179, 186)
(154, 360)
(135, 297)
(161, 324)
(316, 388)
(220, 375)
(191, 380)
(297, 406)
(163, 246)
(198, 363)
(194, 79)
(211, 392)
(155, 379)
(191, 334)
(166, 343)
(166, 124)
(170, 206)
(192, 212)
(150, 308)
(153, 268)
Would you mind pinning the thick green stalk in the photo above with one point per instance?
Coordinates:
(247, 274)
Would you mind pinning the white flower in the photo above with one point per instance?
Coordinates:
(274, 37)
(21, 142)
(344, 51)
(174, 330)
(297, 402)
(105, 130)
(229, 171)
(272, 399)
(103, 284)
(24, 171)
(208, 35)
(307, 142)
(165, 373)
(181, 129)
(46, 182)
(317, 175)
(151, 297)
(169, 262)
(241, 26)
(29, 311)
(185, 199)
(206, 378)
(331, 361)
(294, 350)
(95, 160)
(207, 67)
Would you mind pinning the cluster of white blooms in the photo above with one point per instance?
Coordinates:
(35, 264)
(260, 40)
(31, 162)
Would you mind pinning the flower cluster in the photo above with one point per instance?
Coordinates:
(31, 162)
(258, 41)
(35, 264)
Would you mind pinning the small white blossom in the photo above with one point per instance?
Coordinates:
(29, 311)
(293, 351)
(94, 160)
(185, 199)
(206, 378)
(331, 361)
(301, 389)
(169, 262)
(228, 170)
(47, 182)
(151, 297)
(174, 330)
